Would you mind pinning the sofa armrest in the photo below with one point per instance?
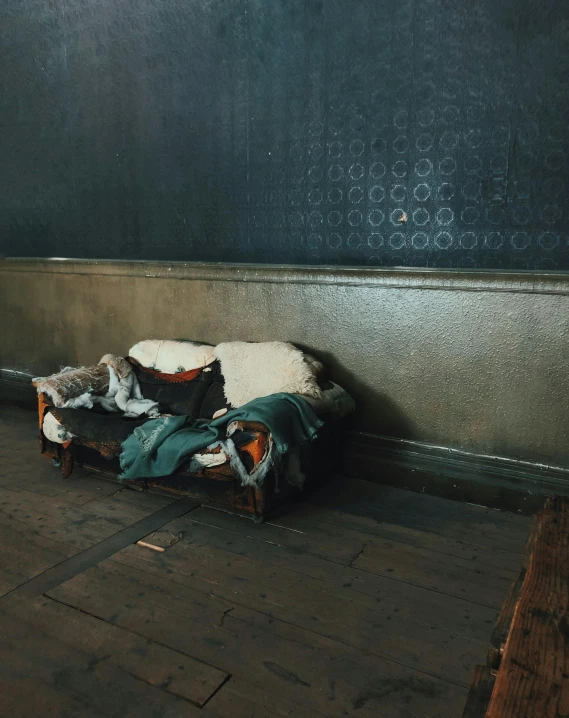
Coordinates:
(44, 404)
(251, 439)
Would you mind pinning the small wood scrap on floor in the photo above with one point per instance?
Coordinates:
(160, 540)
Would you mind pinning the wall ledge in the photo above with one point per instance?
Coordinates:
(393, 277)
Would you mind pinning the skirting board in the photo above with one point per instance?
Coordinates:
(492, 481)
(16, 387)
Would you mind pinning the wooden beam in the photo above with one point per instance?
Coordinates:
(533, 679)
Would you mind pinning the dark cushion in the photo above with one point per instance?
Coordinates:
(97, 427)
(199, 398)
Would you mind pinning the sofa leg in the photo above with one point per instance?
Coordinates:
(66, 463)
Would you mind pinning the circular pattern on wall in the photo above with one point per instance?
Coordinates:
(314, 219)
(422, 192)
(399, 169)
(376, 217)
(493, 240)
(397, 240)
(423, 167)
(520, 240)
(315, 173)
(548, 240)
(335, 218)
(375, 240)
(377, 170)
(443, 240)
(377, 193)
(447, 166)
(400, 144)
(315, 196)
(421, 216)
(446, 191)
(420, 240)
(424, 142)
(478, 180)
(356, 171)
(398, 192)
(355, 218)
(335, 195)
(335, 173)
(445, 215)
(335, 149)
(356, 148)
(468, 240)
(470, 215)
(355, 195)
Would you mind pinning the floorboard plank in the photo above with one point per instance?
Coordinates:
(99, 683)
(450, 519)
(23, 696)
(445, 640)
(344, 491)
(79, 526)
(321, 543)
(413, 565)
(502, 552)
(25, 555)
(101, 550)
(449, 575)
(45, 480)
(159, 666)
(232, 535)
(286, 660)
(242, 699)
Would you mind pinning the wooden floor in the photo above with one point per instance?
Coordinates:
(361, 601)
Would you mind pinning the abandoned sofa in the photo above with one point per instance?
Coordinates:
(240, 425)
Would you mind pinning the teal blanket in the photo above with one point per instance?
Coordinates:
(162, 446)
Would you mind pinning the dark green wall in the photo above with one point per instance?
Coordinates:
(286, 131)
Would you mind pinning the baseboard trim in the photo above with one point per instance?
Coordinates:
(16, 387)
(493, 481)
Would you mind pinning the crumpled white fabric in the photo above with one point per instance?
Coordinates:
(206, 461)
(123, 395)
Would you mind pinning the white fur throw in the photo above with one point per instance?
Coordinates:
(172, 357)
(255, 370)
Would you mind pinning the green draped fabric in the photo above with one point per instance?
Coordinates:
(160, 447)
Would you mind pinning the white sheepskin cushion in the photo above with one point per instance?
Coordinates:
(172, 357)
(255, 370)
